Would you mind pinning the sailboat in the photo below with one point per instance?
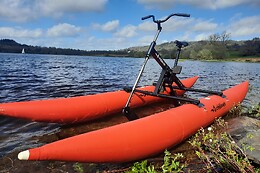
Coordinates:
(23, 51)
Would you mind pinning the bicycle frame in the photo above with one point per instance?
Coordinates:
(167, 76)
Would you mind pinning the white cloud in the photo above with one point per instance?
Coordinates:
(208, 4)
(63, 30)
(178, 24)
(59, 7)
(15, 10)
(181, 29)
(161, 4)
(110, 26)
(25, 10)
(60, 30)
(247, 26)
(201, 25)
(147, 26)
(145, 40)
(113, 43)
(217, 4)
(183, 36)
(127, 31)
(181, 24)
(173, 24)
(202, 36)
(9, 32)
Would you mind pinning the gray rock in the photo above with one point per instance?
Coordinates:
(246, 132)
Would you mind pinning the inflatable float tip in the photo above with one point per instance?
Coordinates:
(24, 155)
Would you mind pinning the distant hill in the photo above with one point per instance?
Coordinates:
(11, 46)
(8, 42)
(208, 49)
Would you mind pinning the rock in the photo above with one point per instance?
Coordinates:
(252, 140)
(246, 132)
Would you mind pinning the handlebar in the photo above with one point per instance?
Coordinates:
(161, 21)
(147, 17)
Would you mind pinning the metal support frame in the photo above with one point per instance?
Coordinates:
(167, 76)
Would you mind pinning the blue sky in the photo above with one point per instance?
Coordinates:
(117, 24)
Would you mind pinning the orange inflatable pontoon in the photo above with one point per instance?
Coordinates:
(82, 108)
(141, 138)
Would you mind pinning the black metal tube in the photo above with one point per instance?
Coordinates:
(199, 90)
(136, 82)
(177, 57)
(193, 101)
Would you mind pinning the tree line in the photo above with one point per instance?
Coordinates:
(11, 46)
(217, 46)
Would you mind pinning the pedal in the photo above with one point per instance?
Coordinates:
(177, 69)
(130, 115)
(127, 89)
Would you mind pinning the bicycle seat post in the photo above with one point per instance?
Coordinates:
(177, 56)
(179, 46)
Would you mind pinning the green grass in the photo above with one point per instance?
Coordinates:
(213, 146)
(171, 164)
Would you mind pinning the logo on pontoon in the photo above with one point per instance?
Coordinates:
(219, 106)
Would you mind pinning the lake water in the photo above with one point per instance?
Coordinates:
(30, 77)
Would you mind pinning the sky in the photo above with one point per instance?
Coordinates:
(117, 24)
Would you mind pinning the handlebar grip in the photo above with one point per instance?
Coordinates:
(182, 14)
(147, 17)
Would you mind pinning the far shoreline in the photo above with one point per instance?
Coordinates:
(237, 59)
(230, 59)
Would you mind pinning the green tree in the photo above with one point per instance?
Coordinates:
(217, 45)
(205, 54)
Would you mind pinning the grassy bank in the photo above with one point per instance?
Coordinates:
(246, 59)
(211, 149)
(234, 59)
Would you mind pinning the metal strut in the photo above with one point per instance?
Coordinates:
(167, 76)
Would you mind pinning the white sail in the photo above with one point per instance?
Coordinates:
(23, 51)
